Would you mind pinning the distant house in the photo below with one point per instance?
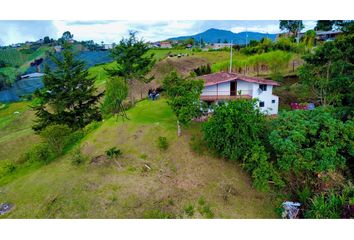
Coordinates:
(189, 46)
(107, 46)
(223, 86)
(165, 45)
(58, 48)
(217, 46)
(327, 35)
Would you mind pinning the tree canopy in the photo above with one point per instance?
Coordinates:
(292, 26)
(69, 95)
(328, 71)
(133, 61)
(183, 96)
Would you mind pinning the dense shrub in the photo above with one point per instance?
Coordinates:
(162, 143)
(332, 204)
(189, 210)
(237, 131)
(309, 144)
(113, 153)
(116, 92)
(56, 136)
(77, 158)
(37, 153)
(256, 161)
(6, 167)
(91, 126)
(234, 129)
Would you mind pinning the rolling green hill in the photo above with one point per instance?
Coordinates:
(150, 183)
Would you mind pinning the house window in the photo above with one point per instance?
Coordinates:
(261, 104)
(273, 101)
(263, 87)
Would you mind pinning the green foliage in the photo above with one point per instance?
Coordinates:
(325, 206)
(183, 96)
(74, 138)
(309, 38)
(202, 70)
(113, 153)
(307, 143)
(328, 71)
(6, 167)
(116, 92)
(69, 96)
(234, 129)
(91, 127)
(197, 144)
(77, 158)
(189, 210)
(275, 61)
(56, 137)
(162, 143)
(37, 153)
(132, 59)
(205, 209)
(257, 162)
(292, 26)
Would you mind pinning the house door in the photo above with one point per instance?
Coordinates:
(233, 88)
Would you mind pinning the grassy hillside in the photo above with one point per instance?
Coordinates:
(16, 134)
(18, 60)
(176, 183)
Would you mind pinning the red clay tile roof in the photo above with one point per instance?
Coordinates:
(220, 77)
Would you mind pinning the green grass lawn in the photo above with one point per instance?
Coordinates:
(150, 183)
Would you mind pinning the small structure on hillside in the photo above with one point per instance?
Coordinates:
(223, 86)
(165, 45)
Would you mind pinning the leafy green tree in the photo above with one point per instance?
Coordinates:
(56, 137)
(237, 131)
(328, 71)
(189, 41)
(309, 145)
(309, 38)
(46, 40)
(116, 92)
(292, 26)
(69, 95)
(133, 61)
(324, 25)
(183, 97)
(234, 128)
(67, 36)
(4, 81)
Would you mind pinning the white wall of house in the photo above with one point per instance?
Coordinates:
(270, 101)
(219, 89)
(224, 89)
(244, 87)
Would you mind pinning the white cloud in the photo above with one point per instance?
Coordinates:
(113, 31)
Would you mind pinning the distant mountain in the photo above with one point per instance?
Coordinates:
(213, 35)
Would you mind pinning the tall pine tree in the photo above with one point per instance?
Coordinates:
(133, 61)
(69, 95)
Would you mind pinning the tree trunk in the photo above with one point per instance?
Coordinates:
(179, 131)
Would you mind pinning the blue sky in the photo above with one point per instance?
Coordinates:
(113, 31)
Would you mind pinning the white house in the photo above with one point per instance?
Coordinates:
(228, 86)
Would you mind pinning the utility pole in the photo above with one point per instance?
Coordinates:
(298, 32)
(231, 57)
(246, 37)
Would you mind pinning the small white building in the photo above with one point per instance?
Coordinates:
(229, 86)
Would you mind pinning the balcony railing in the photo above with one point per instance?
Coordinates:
(225, 95)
